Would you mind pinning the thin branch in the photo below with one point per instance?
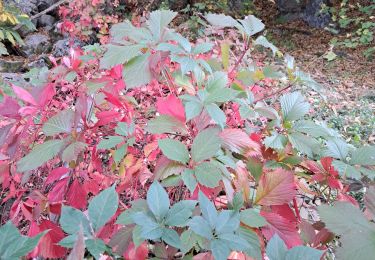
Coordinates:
(272, 94)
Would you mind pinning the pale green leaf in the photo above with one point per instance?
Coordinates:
(72, 151)
(276, 248)
(174, 150)
(216, 114)
(110, 142)
(363, 156)
(205, 145)
(262, 41)
(62, 122)
(158, 21)
(165, 124)
(208, 174)
(293, 106)
(102, 207)
(119, 54)
(221, 20)
(40, 155)
(252, 25)
(136, 67)
(158, 201)
(252, 218)
(180, 212)
(171, 237)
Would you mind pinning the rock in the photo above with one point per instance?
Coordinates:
(44, 4)
(15, 78)
(46, 20)
(8, 64)
(313, 15)
(37, 43)
(40, 62)
(61, 47)
(29, 7)
(290, 6)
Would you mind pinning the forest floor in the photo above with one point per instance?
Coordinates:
(348, 80)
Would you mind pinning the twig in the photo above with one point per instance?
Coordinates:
(247, 47)
(272, 94)
(42, 12)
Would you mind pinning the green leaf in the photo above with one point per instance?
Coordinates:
(120, 153)
(304, 252)
(205, 145)
(293, 106)
(179, 213)
(220, 249)
(202, 48)
(221, 20)
(135, 67)
(234, 241)
(13, 245)
(189, 179)
(262, 41)
(72, 220)
(3, 49)
(208, 174)
(346, 170)
(343, 218)
(311, 128)
(125, 129)
(304, 144)
(252, 239)
(188, 240)
(102, 207)
(150, 229)
(252, 218)
(208, 209)
(363, 156)
(72, 151)
(110, 142)
(119, 54)
(220, 95)
(127, 30)
(216, 114)
(252, 25)
(174, 150)
(158, 21)
(192, 109)
(276, 248)
(40, 155)
(336, 148)
(165, 124)
(171, 237)
(227, 221)
(96, 247)
(217, 81)
(62, 122)
(158, 201)
(276, 141)
(200, 227)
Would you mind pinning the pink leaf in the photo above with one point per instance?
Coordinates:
(47, 246)
(286, 229)
(58, 192)
(24, 95)
(76, 195)
(56, 174)
(9, 108)
(171, 106)
(276, 188)
(238, 141)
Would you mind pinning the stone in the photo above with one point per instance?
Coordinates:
(61, 47)
(313, 15)
(11, 65)
(29, 7)
(40, 62)
(36, 43)
(15, 78)
(46, 20)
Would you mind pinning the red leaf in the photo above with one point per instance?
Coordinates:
(276, 188)
(76, 195)
(238, 141)
(24, 95)
(47, 246)
(139, 253)
(286, 229)
(171, 106)
(58, 192)
(106, 117)
(56, 174)
(9, 108)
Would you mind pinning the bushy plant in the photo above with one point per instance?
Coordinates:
(9, 17)
(153, 146)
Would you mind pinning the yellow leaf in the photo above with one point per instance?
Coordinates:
(225, 55)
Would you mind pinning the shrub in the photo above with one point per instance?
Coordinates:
(156, 146)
